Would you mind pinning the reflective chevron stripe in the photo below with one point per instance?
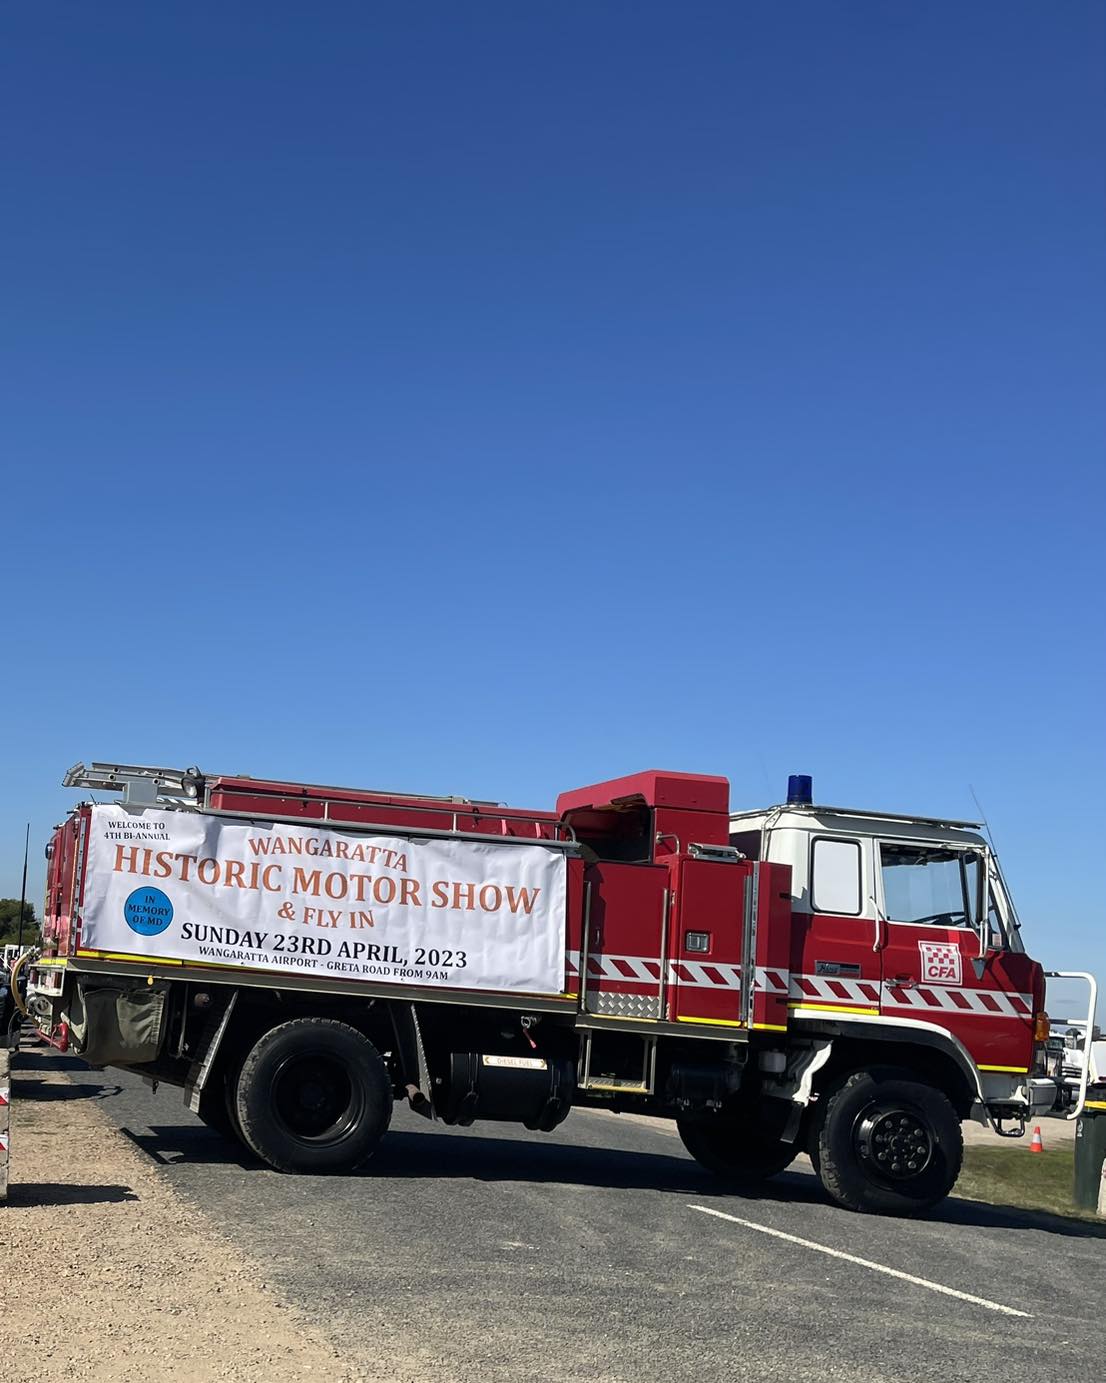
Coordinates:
(806, 989)
(810, 991)
(636, 969)
(693, 974)
(934, 998)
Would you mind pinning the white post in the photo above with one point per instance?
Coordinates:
(1102, 1191)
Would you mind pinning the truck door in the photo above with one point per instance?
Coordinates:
(711, 928)
(835, 965)
(935, 967)
(728, 944)
(623, 943)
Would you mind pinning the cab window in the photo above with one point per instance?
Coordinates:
(835, 877)
(927, 885)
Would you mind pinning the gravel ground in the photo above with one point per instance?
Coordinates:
(131, 1281)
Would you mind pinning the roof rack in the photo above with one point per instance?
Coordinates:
(814, 810)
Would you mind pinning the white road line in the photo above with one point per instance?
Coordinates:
(863, 1262)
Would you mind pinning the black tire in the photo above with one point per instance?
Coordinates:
(313, 1095)
(218, 1112)
(735, 1152)
(887, 1144)
(230, 1104)
(215, 1111)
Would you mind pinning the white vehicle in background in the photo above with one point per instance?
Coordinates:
(11, 1013)
(1068, 1045)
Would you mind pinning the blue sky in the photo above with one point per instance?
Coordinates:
(494, 398)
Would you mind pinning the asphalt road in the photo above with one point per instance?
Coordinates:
(494, 1254)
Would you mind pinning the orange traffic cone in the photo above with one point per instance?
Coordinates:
(1036, 1143)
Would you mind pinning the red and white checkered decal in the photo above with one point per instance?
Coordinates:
(941, 962)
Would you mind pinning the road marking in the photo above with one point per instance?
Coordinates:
(863, 1262)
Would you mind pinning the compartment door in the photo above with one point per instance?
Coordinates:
(623, 942)
(714, 921)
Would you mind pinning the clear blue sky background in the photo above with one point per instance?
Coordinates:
(491, 398)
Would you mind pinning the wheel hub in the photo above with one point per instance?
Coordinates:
(314, 1098)
(896, 1143)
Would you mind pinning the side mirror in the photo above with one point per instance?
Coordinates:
(979, 909)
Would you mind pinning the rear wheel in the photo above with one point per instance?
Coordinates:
(888, 1144)
(735, 1152)
(215, 1111)
(313, 1095)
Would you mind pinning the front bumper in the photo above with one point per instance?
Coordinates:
(1019, 1099)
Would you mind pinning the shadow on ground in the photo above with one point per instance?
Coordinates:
(438, 1153)
(195, 1144)
(46, 1060)
(413, 1156)
(979, 1214)
(46, 1092)
(31, 1193)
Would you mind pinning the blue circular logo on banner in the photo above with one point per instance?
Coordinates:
(148, 911)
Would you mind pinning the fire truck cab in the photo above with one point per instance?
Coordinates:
(904, 929)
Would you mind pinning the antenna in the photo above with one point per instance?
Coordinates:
(994, 857)
(23, 892)
(983, 818)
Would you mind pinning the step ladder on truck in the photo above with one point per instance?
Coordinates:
(846, 983)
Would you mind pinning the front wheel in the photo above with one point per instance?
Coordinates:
(735, 1152)
(313, 1095)
(888, 1144)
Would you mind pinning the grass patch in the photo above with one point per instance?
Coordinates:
(1014, 1176)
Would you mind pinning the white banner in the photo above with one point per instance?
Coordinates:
(180, 885)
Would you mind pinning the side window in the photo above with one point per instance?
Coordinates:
(924, 884)
(835, 877)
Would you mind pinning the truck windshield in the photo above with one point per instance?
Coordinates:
(939, 886)
(924, 884)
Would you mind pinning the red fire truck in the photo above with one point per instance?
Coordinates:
(800, 978)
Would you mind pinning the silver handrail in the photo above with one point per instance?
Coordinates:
(1088, 1036)
(393, 828)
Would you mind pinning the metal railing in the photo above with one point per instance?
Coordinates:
(1088, 1034)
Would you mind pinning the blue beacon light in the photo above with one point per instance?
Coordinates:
(800, 790)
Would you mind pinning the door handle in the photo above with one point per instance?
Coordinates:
(877, 944)
(904, 982)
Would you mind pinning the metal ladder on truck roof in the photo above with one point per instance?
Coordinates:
(141, 784)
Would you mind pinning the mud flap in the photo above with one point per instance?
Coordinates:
(208, 1049)
(412, 1058)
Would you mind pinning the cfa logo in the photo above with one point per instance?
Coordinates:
(148, 911)
(940, 962)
